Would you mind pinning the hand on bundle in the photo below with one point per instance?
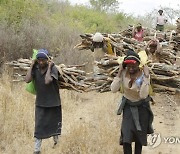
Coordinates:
(120, 70)
(51, 64)
(146, 71)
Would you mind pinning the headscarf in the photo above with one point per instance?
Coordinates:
(98, 37)
(42, 53)
(131, 58)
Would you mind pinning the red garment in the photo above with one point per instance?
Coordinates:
(139, 35)
(130, 62)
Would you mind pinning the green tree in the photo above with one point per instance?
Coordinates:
(105, 5)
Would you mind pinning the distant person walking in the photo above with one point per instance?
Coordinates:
(160, 21)
(48, 114)
(137, 115)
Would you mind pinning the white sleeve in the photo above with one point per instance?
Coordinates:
(115, 85)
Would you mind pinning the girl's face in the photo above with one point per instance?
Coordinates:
(139, 28)
(97, 44)
(132, 68)
(42, 62)
(152, 50)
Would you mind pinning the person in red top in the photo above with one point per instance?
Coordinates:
(138, 33)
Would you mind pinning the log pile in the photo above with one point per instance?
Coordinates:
(118, 42)
(169, 41)
(164, 77)
(71, 76)
(177, 37)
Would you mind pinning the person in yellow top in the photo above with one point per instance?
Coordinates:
(137, 115)
(100, 46)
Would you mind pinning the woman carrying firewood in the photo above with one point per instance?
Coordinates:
(100, 47)
(48, 113)
(137, 115)
(138, 33)
(153, 50)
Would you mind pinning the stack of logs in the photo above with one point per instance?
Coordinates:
(71, 77)
(122, 41)
(177, 37)
(165, 75)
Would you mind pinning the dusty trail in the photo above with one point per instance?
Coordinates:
(90, 108)
(90, 124)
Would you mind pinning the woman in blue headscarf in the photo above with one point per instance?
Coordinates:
(48, 114)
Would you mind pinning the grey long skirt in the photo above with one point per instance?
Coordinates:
(129, 133)
(48, 122)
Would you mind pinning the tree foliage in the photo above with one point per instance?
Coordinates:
(171, 14)
(51, 24)
(104, 5)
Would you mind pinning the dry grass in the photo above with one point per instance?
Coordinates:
(90, 124)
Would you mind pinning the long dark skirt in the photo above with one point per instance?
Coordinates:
(129, 133)
(48, 122)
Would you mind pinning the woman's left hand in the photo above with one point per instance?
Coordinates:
(146, 71)
(51, 63)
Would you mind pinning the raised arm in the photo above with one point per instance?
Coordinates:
(144, 89)
(159, 47)
(133, 31)
(48, 77)
(147, 45)
(115, 85)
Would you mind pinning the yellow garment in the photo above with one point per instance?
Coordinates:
(151, 92)
(109, 48)
(120, 59)
(144, 58)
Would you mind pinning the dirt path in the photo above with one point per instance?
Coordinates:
(167, 124)
(94, 109)
(90, 124)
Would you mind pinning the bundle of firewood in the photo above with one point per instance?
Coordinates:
(164, 77)
(178, 25)
(177, 37)
(123, 41)
(118, 42)
(70, 76)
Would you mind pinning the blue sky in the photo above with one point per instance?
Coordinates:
(138, 7)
